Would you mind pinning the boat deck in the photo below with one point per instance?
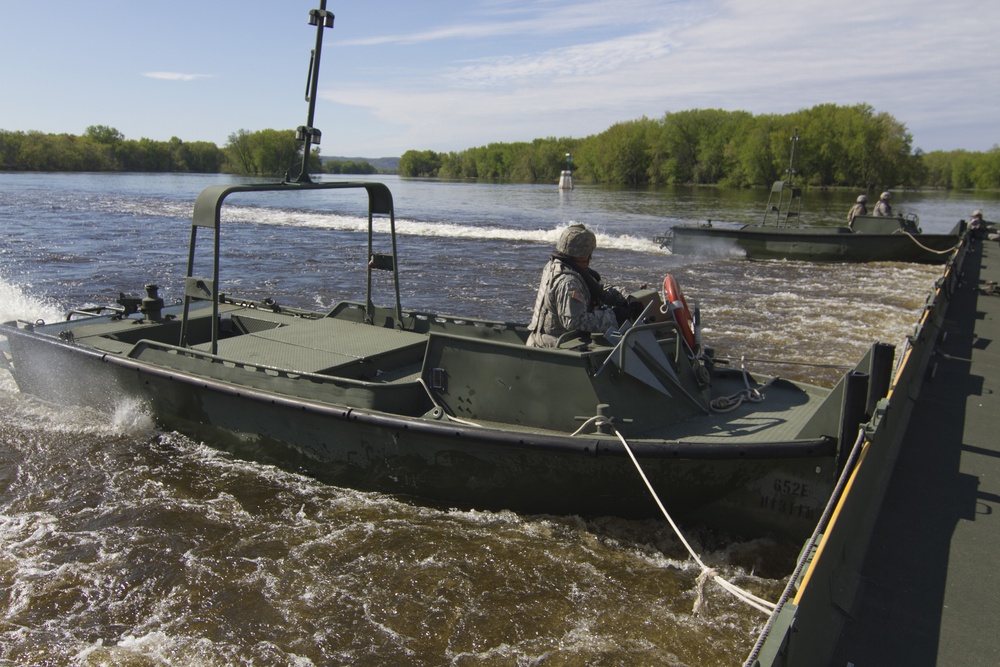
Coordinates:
(320, 346)
(779, 416)
(930, 586)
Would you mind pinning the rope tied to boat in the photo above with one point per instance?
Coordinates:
(923, 247)
(786, 362)
(707, 573)
(806, 554)
(439, 406)
(747, 394)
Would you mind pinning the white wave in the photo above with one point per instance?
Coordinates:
(336, 221)
(27, 412)
(160, 647)
(7, 384)
(17, 304)
(132, 417)
(407, 227)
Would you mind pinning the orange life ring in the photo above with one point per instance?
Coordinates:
(679, 308)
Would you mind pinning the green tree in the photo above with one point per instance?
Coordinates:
(349, 167)
(10, 150)
(419, 163)
(846, 146)
(680, 143)
(276, 152)
(986, 173)
(153, 155)
(240, 152)
(103, 134)
(625, 152)
(203, 157)
(756, 159)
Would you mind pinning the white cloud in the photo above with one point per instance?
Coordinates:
(176, 76)
(926, 63)
(581, 60)
(544, 17)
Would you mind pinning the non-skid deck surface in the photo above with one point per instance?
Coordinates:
(780, 416)
(315, 345)
(298, 344)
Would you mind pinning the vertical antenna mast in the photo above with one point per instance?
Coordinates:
(308, 134)
(791, 160)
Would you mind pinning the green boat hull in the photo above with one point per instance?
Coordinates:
(865, 242)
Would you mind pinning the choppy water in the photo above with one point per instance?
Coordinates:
(124, 545)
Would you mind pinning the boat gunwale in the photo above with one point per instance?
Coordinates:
(836, 232)
(834, 243)
(591, 444)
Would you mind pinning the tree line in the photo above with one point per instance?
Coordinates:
(839, 146)
(349, 167)
(103, 148)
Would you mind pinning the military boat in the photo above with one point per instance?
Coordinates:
(451, 409)
(454, 410)
(781, 235)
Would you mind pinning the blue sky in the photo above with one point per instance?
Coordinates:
(452, 74)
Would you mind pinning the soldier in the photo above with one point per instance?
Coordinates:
(979, 228)
(860, 208)
(976, 222)
(882, 208)
(571, 295)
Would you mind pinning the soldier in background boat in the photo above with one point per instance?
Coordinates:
(979, 228)
(860, 208)
(976, 222)
(882, 208)
(571, 295)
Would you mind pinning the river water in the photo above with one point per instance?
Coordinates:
(124, 545)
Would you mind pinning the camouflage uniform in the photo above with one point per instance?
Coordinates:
(882, 208)
(564, 303)
(978, 227)
(570, 294)
(856, 210)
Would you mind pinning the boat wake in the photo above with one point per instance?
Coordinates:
(335, 220)
(409, 227)
(157, 547)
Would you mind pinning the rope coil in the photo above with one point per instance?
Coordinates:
(748, 394)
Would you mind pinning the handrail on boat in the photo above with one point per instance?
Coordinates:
(208, 206)
(411, 317)
(783, 209)
(208, 214)
(95, 311)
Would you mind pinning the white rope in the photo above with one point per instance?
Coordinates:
(440, 407)
(786, 362)
(806, 554)
(936, 252)
(706, 572)
(733, 401)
